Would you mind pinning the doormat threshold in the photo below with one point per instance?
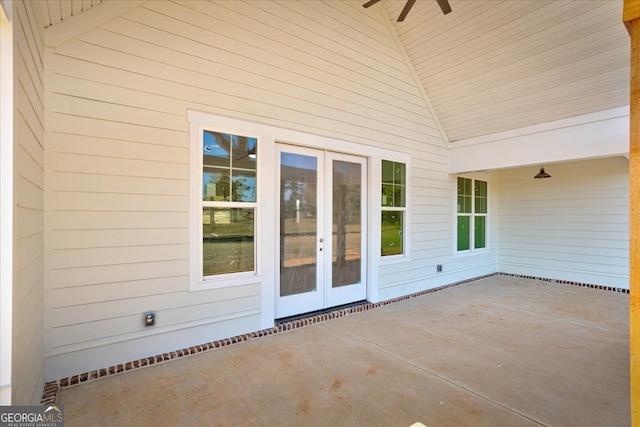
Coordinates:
(319, 312)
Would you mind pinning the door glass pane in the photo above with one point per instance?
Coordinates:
(298, 223)
(347, 223)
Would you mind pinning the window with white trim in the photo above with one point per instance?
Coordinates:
(228, 185)
(394, 208)
(472, 214)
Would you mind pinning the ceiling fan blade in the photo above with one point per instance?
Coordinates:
(444, 5)
(370, 3)
(405, 11)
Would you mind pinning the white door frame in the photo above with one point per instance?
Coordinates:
(324, 295)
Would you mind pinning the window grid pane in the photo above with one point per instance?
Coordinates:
(229, 174)
(387, 172)
(472, 207)
(479, 241)
(387, 195)
(463, 232)
(464, 195)
(394, 195)
(393, 184)
(481, 197)
(392, 240)
(215, 184)
(399, 174)
(227, 240)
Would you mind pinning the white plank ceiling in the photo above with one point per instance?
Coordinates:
(491, 65)
(55, 11)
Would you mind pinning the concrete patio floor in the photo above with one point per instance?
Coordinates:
(500, 351)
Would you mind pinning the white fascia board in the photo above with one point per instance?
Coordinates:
(601, 134)
(59, 33)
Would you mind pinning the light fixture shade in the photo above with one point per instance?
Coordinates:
(542, 174)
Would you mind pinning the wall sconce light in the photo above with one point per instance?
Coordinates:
(542, 174)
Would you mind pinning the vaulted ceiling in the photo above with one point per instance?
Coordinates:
(491, 65)
(55, 11)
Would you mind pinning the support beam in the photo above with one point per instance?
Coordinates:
(590, 136)
(631, 16)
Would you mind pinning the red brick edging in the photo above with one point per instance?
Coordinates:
(51, 389)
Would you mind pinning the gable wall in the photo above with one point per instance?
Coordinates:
(573, 226)
(119, 96)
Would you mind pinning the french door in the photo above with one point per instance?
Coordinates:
(322, 230)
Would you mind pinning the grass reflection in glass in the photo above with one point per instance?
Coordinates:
(392, 238)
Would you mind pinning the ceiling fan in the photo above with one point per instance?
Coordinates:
(444, 6)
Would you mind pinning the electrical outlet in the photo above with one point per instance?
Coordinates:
(439, 268)
(149, 318)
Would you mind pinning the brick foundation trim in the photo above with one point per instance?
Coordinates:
(52, 388)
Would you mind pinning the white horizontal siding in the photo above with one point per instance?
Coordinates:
(29, 289)
(78, 221)
(120, 160)
(72, 258)
(80, 276)
(573, 226)
(231, 299)
(100, 292)
(68, 181)
(118, 235)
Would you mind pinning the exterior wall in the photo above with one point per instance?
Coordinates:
(29, 186)
(573, 226)
(433, 233)
(119, 135)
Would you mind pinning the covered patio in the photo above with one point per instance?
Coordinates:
(503, 350)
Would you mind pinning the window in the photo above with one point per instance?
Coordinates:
(228, 204)
(472, 214)
(394, 202)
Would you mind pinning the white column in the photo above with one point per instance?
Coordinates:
(6, 199)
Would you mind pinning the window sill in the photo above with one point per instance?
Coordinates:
(470, 253)
(227, 281)
(394, 259)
